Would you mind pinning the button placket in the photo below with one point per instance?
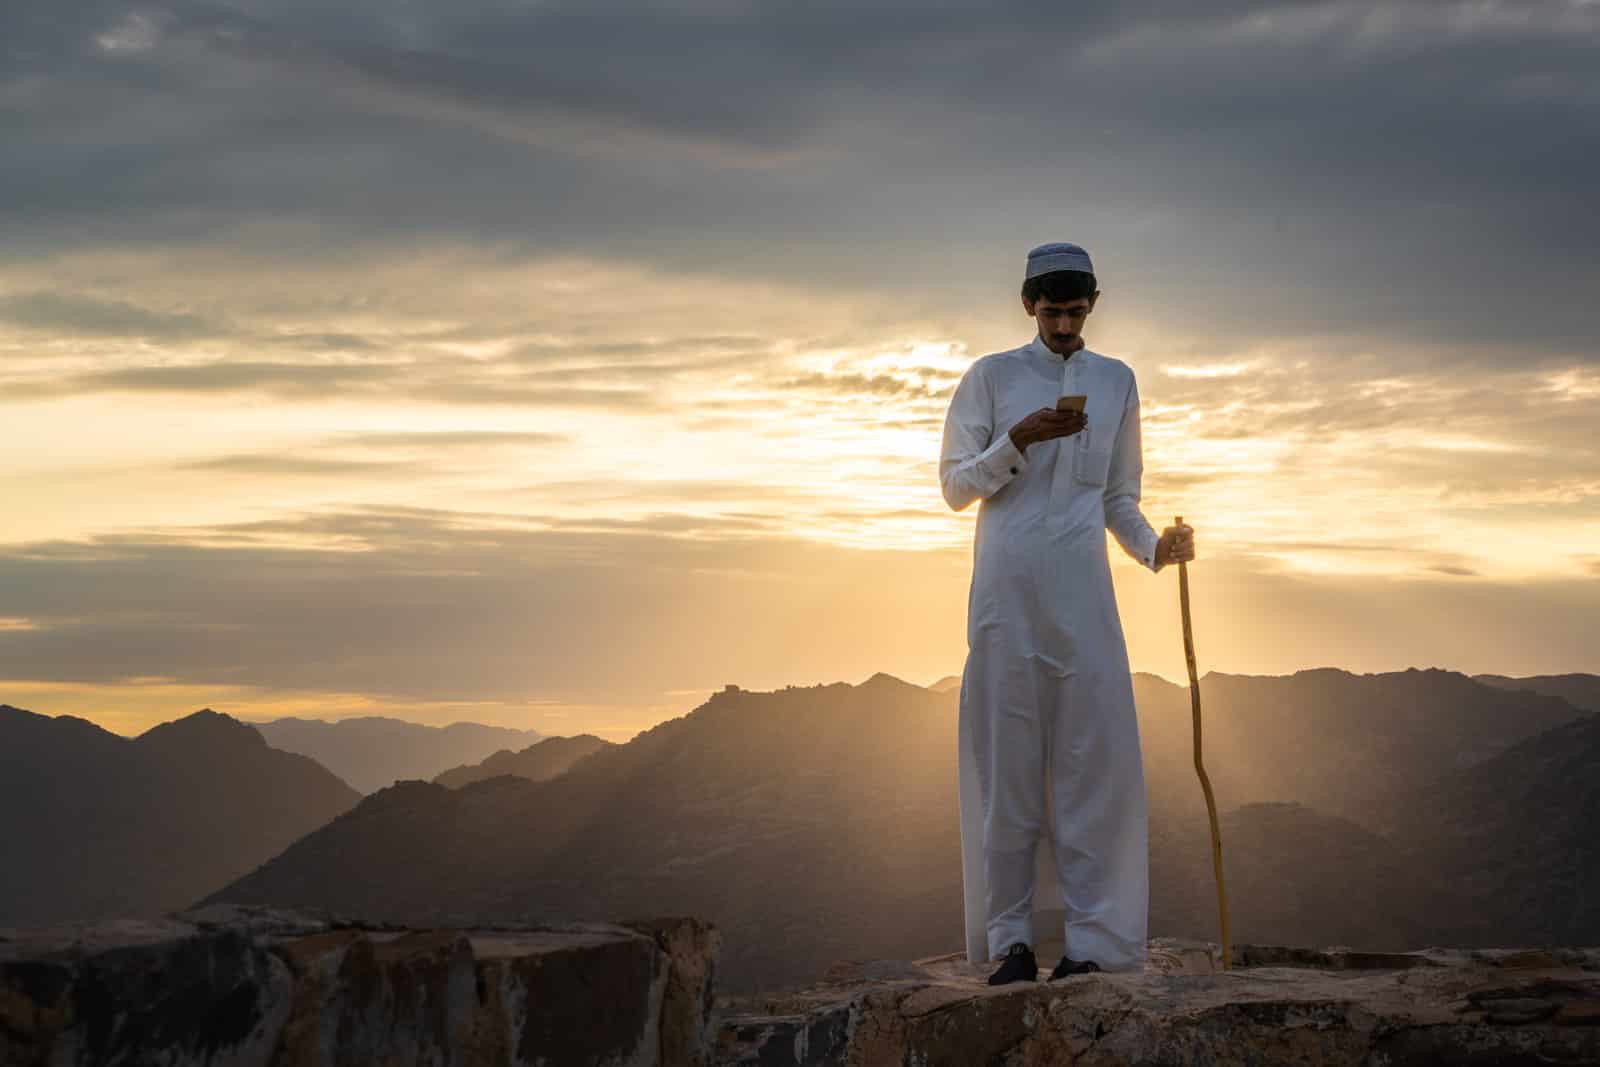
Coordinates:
(1066, 448)
(1069, 386)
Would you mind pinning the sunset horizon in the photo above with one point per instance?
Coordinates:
(717, 532)
(439, 366)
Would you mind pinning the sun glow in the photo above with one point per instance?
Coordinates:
(505, 397)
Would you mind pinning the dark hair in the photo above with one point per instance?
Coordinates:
(1059, 286)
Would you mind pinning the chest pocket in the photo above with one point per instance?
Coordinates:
(1091, 458)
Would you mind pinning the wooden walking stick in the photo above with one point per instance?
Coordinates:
(1199, 767)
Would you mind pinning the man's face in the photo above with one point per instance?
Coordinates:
(1061, 324)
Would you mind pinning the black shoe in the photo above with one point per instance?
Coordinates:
(1019, 966)
(1068, 965)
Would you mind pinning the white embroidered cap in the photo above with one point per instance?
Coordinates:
(1058, 255)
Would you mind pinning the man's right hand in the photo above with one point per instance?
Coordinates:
(1046, 424)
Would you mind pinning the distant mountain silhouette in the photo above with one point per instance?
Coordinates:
(808, 823)
(814, 824)
(1346, 744)
(947, 684)
(1579, 690)
(97, 825)
(372, 752)
(541, 760)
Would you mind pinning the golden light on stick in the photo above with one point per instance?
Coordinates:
(1199, 766)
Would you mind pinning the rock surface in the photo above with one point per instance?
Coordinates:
(259, 987)
(1275, 1006)
(254, 986)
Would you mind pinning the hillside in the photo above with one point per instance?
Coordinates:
(815, 823)
(1579, 690)
(762, 812)
(1521, 830)
(1347, 744)
(96, 824)
(541, 760)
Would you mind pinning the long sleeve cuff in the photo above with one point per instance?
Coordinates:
(1132, 530)
(1145, 549)
(999, 463)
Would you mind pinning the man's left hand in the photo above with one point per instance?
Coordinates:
(1175, 546)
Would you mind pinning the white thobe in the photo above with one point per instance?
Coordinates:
(1047, 712)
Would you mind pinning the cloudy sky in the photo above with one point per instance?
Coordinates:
(554, 364)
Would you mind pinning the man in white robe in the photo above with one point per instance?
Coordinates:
(1047, 712)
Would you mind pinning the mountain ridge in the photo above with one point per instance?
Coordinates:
(543, 759)
(119, 826)
(1580, 690)
(374, 751)
(817, 822)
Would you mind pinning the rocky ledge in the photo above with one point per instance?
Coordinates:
(1274, 1006)
(251, 986)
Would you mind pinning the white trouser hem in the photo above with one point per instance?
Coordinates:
(1087, 941)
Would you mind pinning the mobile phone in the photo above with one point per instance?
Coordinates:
(1071, 403)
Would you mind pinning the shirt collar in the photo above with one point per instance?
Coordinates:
(1043, 354)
